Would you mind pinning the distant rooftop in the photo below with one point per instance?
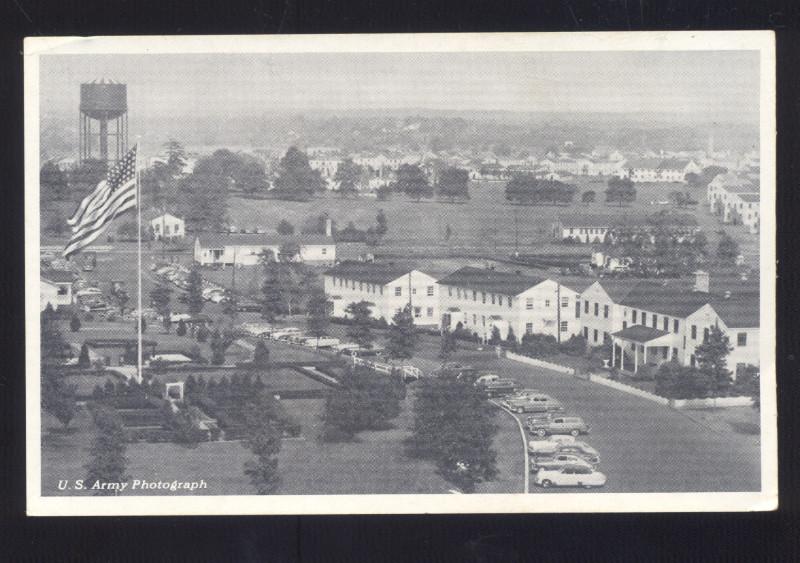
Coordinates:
(491, 280)
(379, 273)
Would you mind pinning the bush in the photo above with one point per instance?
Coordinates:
(575, 346)
(538, 345)
(675, 381)
(202, 333)
(181, 330)
(74, 323)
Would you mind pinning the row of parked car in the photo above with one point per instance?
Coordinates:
(557, 456)
(370, 357)
(178, 275)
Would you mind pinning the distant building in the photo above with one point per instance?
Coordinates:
(661, 170)
(55, 288)
(479, 300)
(168, 227)
(245, 249)
(387, 286)
(593, 228)
(736, 199)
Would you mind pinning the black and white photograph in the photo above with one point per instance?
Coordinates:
(400, 273)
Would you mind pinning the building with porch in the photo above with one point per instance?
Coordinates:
(245, 249)
(388, 286)
(481, 299)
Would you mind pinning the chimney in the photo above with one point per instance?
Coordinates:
(328, 227)
(701, 281)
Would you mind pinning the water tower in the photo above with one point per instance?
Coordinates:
(103, 103)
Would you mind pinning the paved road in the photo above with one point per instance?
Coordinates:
(644, 447)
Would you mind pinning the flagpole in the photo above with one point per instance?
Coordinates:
(139, 269)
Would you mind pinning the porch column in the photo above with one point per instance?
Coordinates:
(635, 357)
(613, 354)
(645, 354)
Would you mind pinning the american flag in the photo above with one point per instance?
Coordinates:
(112, 197)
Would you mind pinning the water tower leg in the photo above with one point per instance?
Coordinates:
(103, 140)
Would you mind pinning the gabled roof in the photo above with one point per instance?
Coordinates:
(379, 273)
(675, 299)
(639, 333)
(746, 187)
(647, 163)
(740, 310)
(490, 280)
(220, 240)
(750, 198)
(674, 164)
(617, 290)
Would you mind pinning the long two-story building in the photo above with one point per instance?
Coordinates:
(481, 299)
(387, 286)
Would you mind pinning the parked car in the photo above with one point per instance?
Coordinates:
(248, 307)
(321, 342)
(582, 450)
(570, 476)
(532, 403)
(285, 333)
(573, 425)
(495, 386)
(556, 461)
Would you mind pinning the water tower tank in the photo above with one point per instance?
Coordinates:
(103, 102)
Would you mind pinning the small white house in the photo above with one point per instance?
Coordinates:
(245, 249)
(55, 288)
(168, 227)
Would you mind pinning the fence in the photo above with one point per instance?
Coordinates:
(628, 389)
(539, 363)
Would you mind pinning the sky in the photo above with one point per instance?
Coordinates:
(721, 85)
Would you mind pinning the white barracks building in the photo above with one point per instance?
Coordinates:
(480, 299)
(389, 287)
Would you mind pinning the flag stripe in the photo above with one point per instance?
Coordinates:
(90, 217)
(86, 203)
(89, 236)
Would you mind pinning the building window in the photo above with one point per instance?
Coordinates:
(586, 307)
(324, 251)
(528, 328)
(430, 291)
(675, 354)
(666, 324)
(705, 334)
(564, 302)
(430, 311)
(483, 320)
(483, 296)
(564, 326)
(577, 309)
(381, 290)
(694, 332)
(633, 316)
(417, 312)
(360, 286)
(449, 291)
(595, 335)
(509, 302)
(655, 320)
(644, 318)
(546, 302)
(398, 291)
(692, 360)
(741, 339)
(458, 293)
(492, 298)
(605, 311)
(529, 303)
(474, 295)
(675, 326)
(474, 319)
(413, 291)
(624, 325)
(586, 332)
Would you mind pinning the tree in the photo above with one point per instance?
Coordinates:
(453, 427)
(160, 297)
(317, 314)
(263, 438)
(360, 331)
(511, 339)
(261, 355)
(108, 462)
(285, 228)
(53, 182)
(272, 301)
(57, 397)
(453, 184)
(675, 381)
(588, 196)
(74, 323)
(727, 248)
(401, 339)
(495, 338)
(203, 194)
(83, 358)
(202, 333)
(679, 199)
(176, 157)
(381, 223)
(449, 345)
(194, 291)
(620, 190)
(711, 358)
(748, 380)
(384, 193)
(121, 297)
(411, 181)
(219, 343)
(251, 177)
(296, 178)
(348, 176)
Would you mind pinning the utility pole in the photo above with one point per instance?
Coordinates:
(558, 310)
(233, 284)
(516, 232)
